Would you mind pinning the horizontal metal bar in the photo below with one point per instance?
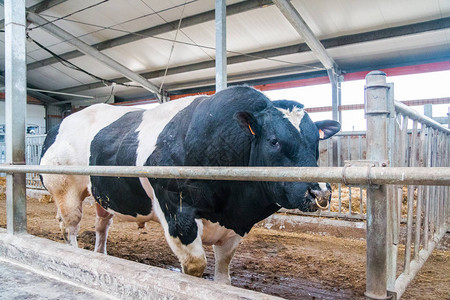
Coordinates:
(322, 213)
(352, 175)
(2, 89)
(414, 115)
(59, 93)
(351, 133)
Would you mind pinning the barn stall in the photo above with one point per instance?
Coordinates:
(425, 147)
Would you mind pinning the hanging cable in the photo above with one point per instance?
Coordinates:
(112, 92)
(171, 49)
(68, 64)
(71, 14)
(167, 22)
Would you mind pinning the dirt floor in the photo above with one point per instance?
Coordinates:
(290, 264)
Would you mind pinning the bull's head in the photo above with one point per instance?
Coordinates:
(284, 135)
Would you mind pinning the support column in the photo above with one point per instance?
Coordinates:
(335, 81)
(428, 110)
(336, 95)
(376, 111)
(15, 113)
(221, 45)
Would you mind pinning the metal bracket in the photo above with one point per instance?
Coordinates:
(392, 294)
(361, 164)
(163, 97)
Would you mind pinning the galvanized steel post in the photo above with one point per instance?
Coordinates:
(376, 111)
(221, 45)
(15, 113)
(393, 209)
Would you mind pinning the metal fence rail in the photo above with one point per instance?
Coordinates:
(355, 175)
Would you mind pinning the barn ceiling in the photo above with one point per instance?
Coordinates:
(147, 37)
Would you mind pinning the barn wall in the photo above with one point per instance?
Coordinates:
(54, 115)
(35, 116)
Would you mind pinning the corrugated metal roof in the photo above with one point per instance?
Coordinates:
(250, 31)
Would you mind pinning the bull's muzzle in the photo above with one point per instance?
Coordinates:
(322, 198)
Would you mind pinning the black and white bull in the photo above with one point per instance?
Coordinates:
(238, 126)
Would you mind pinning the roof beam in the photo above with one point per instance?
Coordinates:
(160, 29)
(433, 25)
(88, 50)
(248, 76)
(296, 20)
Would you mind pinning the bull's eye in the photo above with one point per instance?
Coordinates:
(274, 142)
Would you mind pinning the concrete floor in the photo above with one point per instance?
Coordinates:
(21, 283)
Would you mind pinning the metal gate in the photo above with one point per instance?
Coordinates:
(411, 218)
(33, 149)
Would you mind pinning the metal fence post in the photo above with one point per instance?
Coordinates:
(393, 211)
(376, 111)
(221, 45)
(15, 113)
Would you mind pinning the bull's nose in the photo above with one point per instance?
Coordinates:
(322, 196)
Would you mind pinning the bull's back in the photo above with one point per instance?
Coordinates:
(69, 143)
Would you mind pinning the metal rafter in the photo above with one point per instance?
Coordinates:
(296, 20)
(88, 50)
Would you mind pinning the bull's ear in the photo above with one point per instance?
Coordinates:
(327, 128)
(248, 123)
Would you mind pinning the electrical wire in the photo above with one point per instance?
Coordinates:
(73, 13)
(171, 49)
(167, 22)
(68, 64)
(111, 94)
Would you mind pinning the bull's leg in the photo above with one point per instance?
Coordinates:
(191, 256)
(62, 226)
(223, 255)
(103, 221)
(184, 236)
(70, 210)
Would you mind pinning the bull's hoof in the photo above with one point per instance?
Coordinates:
(195, 267)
